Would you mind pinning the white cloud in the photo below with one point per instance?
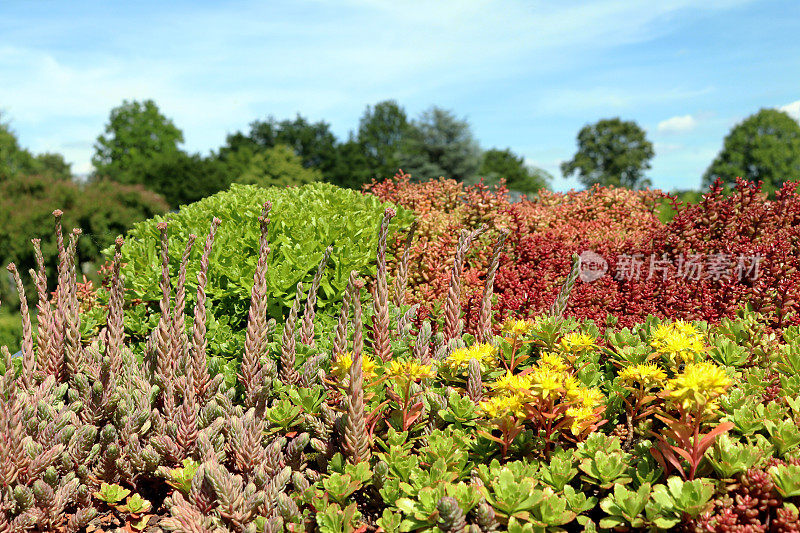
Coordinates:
(793, 109)
(680, 124)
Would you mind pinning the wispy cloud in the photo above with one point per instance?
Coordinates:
(680, 124)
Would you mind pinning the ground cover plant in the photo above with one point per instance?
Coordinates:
(731, 249)
(532, 424)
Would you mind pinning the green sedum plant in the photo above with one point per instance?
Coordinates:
(304, 221)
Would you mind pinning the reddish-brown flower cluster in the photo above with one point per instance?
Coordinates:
(752, 505)
(711, 259)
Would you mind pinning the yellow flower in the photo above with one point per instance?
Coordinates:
(570, 384)
(586, 397)
(500, 406)
(553, 362)
(545, 382)
(576, 342)
(410, 369)
(341, 366)
(680, 340)
(647, 375)
(512, 383)
(582, 418)
(484, 353)
(517, 328)
(699, 385)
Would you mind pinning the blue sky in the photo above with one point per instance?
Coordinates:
(526, 74)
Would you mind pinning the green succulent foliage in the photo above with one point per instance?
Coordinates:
(726, 352)
(670, 502)
(606, 468)
(729, 457)
(786, 479)
(181, 477)
(111, 493)
(625, 507)
(304, 221)
(559, 471)
(136, 505)
(784, 434)
(334, 518)
(513, 496)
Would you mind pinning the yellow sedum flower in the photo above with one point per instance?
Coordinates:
(546, 383)
(512, 383)
(586, 397)
(341, 366)
(409, 369)
(680, 340)
(577, 342)
(517, 328)
(699, 385)
(582, 418)
(484, 353)
(647, 375)
(553, 362)
(500, 406)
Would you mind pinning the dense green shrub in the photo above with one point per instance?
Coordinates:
(304, 221)
(102, 210)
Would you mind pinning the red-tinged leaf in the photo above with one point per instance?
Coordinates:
(709, 437)
(683, 453)
(361, 529)
(490, 437)
(667, 453)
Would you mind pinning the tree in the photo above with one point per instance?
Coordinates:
(765, 146)
(381, 132)
(53, 165)
(103, 210)
(136, 133)
(353, 167)
(497, 164)
(314, 143)
(14, 160)
(439, 144)
(182, 178)
(278, 166)
(611, 152)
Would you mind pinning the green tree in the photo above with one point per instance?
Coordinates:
(14, 160)
(765, 146)
(183, 178)
(279, 166)
(136, 133)
(611, 152)
(381, 132)
(314, 143)
(439, 144)
(103, 210)
(353, 167)
(53, 165)
(497, 164)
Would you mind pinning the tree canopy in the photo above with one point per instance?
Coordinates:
(440, 144)
(765, 146)
(278, 165)
(136, 133)
(505, 164)
(611, 152)
(381, 132)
